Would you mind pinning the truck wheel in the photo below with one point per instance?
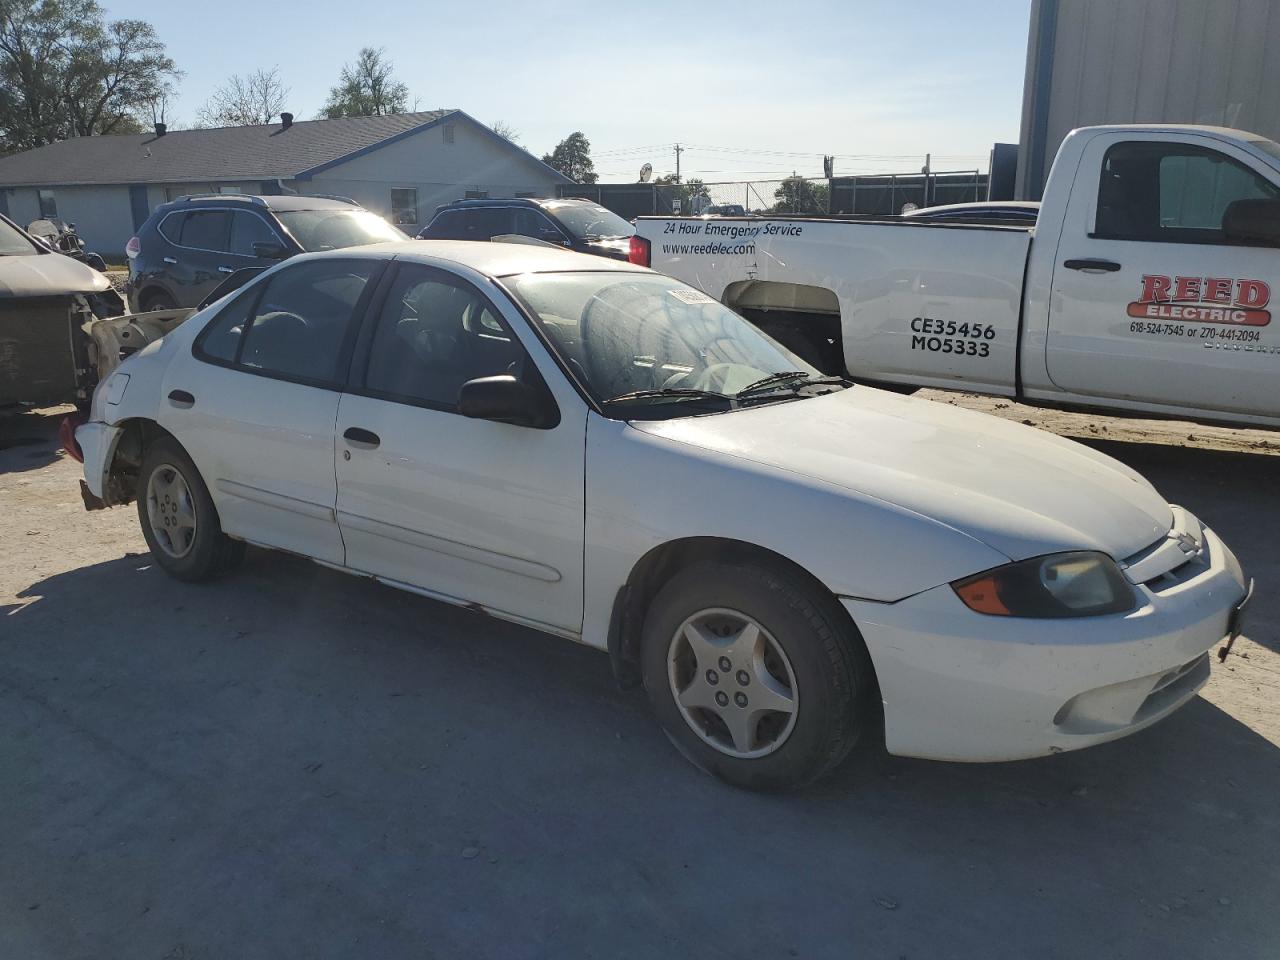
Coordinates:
(754, 675)
(178, 517)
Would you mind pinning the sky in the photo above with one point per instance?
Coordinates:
(752, 90)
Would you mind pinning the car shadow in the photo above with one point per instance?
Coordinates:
(29, 439)
(295, 757)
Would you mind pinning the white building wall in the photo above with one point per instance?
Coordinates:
(439, 170)
(102, 214)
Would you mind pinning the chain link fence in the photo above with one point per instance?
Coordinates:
(870, 195)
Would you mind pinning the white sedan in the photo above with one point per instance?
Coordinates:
(606, 454)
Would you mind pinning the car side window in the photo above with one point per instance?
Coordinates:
(220, 340)
(171, 227)
(1171, 192)
(302, 322)
(248, 229)
(532, 223)
(206, 230)
(432, 336)
(446, 225)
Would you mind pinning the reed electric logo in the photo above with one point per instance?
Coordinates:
(1204, 300)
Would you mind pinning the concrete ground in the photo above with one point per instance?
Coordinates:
(294, 763)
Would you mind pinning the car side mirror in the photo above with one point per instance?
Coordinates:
(552, 236)
(269, 250)
(1255, 222)
(506, 399)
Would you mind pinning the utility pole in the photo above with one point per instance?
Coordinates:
(679, 150)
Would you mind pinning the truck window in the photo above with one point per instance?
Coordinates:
(1171, 192)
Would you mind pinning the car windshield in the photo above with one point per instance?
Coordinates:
(13, 242)
(589, 220)
(333, 229)
(649, 346)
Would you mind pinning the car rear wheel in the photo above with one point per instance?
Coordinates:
(158, 300)
(178, 517)
(755, 674)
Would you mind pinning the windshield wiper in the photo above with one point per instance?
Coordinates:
(670, 393)
(773, 379)
(785, 379)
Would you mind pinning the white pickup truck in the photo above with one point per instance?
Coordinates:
(1145, 284)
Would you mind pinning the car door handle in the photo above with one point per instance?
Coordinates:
(170, 260)
(180, 398)
(226, 270)
(360, 437)
(1092, 266)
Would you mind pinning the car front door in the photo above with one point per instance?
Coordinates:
(247, 228)
(469, 510)
(1151, 300)
(255, 400)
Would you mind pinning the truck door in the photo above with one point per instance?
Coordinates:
(1151, 301)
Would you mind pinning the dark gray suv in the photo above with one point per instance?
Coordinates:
(189, 246)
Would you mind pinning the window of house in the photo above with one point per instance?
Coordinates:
(404, 205)
(432, 337)
(1171, 192)
(300, 326)
(48, 205)
(525, 195)
(477, 195)
(448, 133)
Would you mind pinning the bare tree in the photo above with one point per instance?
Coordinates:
(505, 131)
(257, 97)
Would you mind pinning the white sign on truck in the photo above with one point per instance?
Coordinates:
(1145, 284)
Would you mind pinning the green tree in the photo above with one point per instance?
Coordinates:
(67, 72)
(367, 88)
(798, 195)
(572, 157)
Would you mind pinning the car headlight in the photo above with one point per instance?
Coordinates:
(1080, 584)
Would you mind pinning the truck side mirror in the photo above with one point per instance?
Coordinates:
(1252, 222)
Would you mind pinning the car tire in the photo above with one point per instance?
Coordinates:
(158, 300)
(178, 518)
(803, 647)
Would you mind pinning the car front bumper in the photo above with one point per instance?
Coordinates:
(960, 685)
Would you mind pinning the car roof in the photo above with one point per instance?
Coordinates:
(493, 259)
(551, 202)
(1028, 206)
(251, 201)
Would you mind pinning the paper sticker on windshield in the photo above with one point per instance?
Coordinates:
(691, 296)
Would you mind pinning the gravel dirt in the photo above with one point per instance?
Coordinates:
(291, 762)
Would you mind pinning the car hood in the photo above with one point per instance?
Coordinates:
(47, 275)
(1021, 491)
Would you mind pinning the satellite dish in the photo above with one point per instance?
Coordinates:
(646, 173)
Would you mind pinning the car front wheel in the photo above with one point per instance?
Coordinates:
(179, 520)
(755, 674)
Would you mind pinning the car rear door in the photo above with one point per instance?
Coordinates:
(1150, 301)
(200, 248)
(255, 400)
(465, 509)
